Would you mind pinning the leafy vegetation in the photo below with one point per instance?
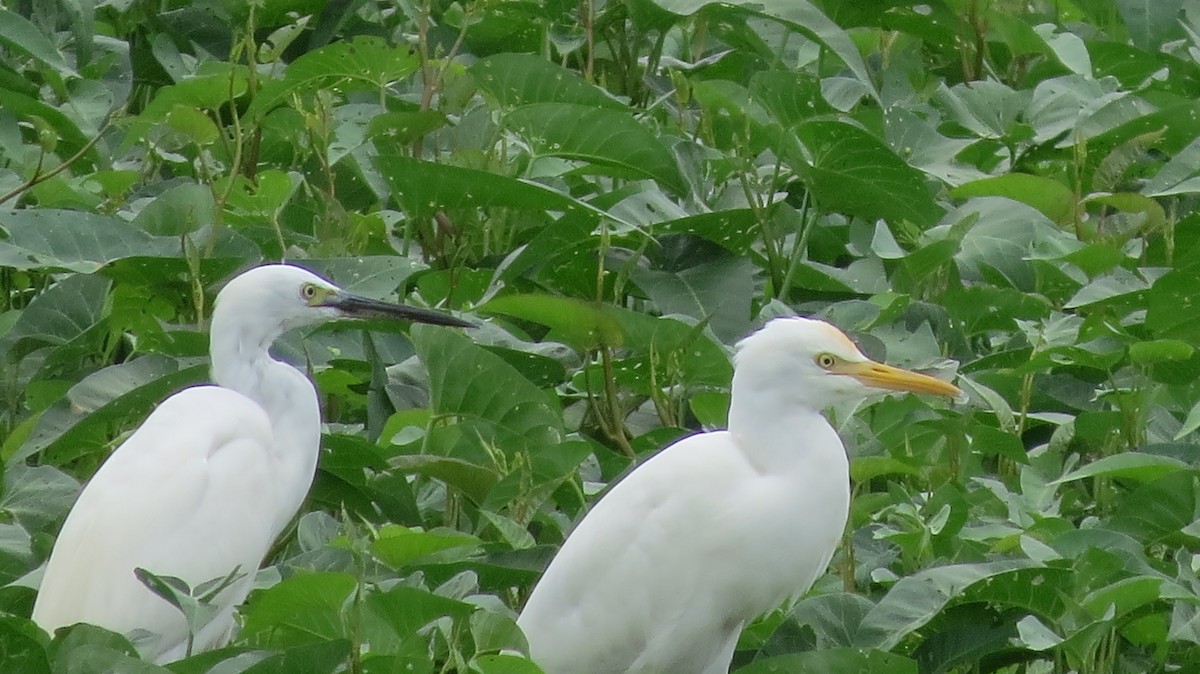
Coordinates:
(1002, 190)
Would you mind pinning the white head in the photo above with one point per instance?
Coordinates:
(809, 363)
(274, 299)
(264, 302)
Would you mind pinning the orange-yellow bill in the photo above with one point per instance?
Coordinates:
(883, 376)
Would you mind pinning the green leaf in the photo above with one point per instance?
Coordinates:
(57, 316)
(920, 142)
(399, 546)
(36, 496)
(970, 638)
(866, 468)
(1153, 216)
(20, 646)
(365, 61)
(994, 442)
(405, 126)
(1180, 175)
(1191, 423)
(833, 661)
(503, 664)
(511, 532)
(596, 135)
(569, 234)
(18, 32)
(305, 608)
(250, 203)
(407, 609)
(915, 600)
(850, 170)
(515, 79)
(832, 617)
(732, 229)
(1172, 308)
(680, 351)
(323, 657)
(193, 124)
(473, 480)
(711, 408)
(1129, 594)
(1068, 48)
(214, 85)
(580, 324)
(80, 242)
(1055, 200)
(791, 97)
(1128, 465)
(279, 39)
(1169, 129)
(178, 211)
(1045, 591)
(196, 604)
(717, 292)
(16, 555)
(1160, 350)
(424, 187)
(1119, 285)
(1035, 635)
(86, 649)
(1150, 23)
(987, 109)
(375, 276)
(469, 382)
(73, 138)
(1158, 509)
(998, 239)
(798, 15)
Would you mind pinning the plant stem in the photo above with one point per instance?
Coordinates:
(846, 568)
(616, 425)
(587, 19)
(39, 177)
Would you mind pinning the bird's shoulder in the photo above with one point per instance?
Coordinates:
(212, 405)
(194, 424)
(702, 457)
(681, 481)
(219, 411)
(195, 462)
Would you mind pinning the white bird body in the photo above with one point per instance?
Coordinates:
(192, 489)
(210, 479)
(742, 555)
(662, 575)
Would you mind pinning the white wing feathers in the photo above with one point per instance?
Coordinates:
(193, 478)
(630, 569)
(665, 571)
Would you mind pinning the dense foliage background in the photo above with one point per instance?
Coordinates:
(619, 190)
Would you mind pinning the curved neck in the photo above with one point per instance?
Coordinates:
(239, 350)
(760, 416)
(241, 362)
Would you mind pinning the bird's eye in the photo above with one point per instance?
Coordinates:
(308, 291)
(826, 360)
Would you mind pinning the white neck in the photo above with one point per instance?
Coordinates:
(241, 362)
(777, 433)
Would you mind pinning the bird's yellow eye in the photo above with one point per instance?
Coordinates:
(308, 291)
(826, 361)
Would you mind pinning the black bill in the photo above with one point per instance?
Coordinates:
(356, 306)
